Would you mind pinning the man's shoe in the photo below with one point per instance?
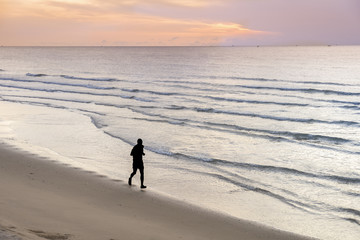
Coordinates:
(142, 186)
(129, 182)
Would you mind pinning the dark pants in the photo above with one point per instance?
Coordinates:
(141, 169)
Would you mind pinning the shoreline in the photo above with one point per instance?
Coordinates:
(41, 199)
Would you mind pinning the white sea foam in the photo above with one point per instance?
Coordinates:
(257, 135)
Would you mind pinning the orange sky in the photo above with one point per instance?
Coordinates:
(176, 22)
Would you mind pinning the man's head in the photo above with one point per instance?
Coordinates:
(139, 141)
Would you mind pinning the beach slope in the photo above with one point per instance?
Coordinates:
(41, 199)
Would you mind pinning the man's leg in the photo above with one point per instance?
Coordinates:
(132, 174)
(142, 177)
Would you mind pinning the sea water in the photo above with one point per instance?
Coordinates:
(268, 134)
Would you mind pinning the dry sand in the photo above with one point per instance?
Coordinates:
(42, 199)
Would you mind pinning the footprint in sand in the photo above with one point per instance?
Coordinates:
(51, 236)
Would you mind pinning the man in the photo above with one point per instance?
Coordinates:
(137, 152)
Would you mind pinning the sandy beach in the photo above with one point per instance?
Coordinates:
(42, 199)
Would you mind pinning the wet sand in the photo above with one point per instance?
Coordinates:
(43, 199)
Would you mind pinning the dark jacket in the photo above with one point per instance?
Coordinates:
(137, 152)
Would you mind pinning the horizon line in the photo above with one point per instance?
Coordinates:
(259, 45)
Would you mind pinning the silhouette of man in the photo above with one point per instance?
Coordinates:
(137, 152)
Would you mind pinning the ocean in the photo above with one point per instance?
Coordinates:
(268, 134)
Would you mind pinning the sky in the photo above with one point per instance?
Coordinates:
(179, 22)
